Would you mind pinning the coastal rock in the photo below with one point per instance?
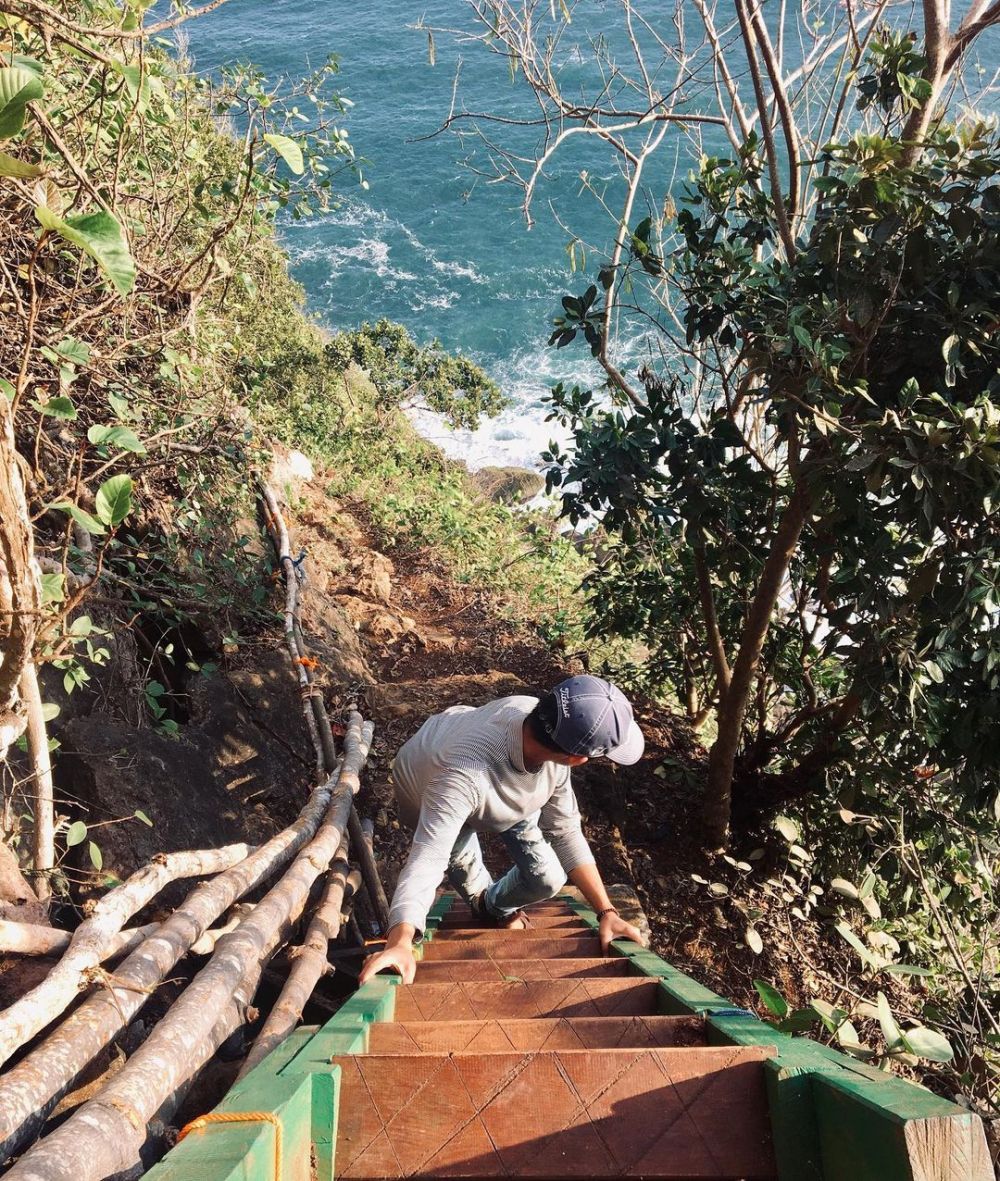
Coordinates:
(508, 485)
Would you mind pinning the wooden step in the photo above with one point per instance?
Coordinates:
(511, 947)
(654, 1113)
(541, 922)
(439, 971)
(541, 1033)
(476, 1000)
(540, 909)
(483, 934)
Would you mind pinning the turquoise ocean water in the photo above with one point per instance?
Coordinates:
(429, 244)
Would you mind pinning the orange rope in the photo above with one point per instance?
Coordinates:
(240, 1117)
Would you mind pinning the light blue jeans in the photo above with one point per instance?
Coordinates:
(535, 875)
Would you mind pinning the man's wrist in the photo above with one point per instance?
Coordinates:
(606, 911)
(401, 936)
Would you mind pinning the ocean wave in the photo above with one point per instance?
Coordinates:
(372, 253)
(458, 270)
(440, 302)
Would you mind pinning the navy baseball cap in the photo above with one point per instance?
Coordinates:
(594, 718)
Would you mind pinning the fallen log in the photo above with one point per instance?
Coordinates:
(309, 964)
(29, 1090)
(34, 939)
(105, 1134)
(41, 1005)
(206, 944)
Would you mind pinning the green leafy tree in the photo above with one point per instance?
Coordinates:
(797, 488)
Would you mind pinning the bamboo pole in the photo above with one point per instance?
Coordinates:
(103, 1136)
(42, 1004)
(29, 1090)
(308, 967)
(34, 939)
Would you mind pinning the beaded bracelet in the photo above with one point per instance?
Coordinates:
(606, 910)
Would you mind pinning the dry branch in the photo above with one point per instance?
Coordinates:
(34, 939)
(20, 595)
(362, 841)
(30, 1090)
(105, 1134)
(42, 1004)
(282, 544)
(319, 722)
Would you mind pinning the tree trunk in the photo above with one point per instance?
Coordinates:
(42, 1004)
(20, 594)
(105, 1134)
(722, 759)
(43, 796)
(716, 647)
(34, 939)
(29, 1090)
(937, 46)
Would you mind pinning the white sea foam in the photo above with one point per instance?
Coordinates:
(517, 437)
(438, 302)
(371, 253)
(458, 270)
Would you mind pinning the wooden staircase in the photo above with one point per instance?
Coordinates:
(531, 1055)
(528, 1054)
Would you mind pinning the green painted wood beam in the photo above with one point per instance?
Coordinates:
(895, 1132)
(833, 1117)
(345, 1033)
(248, 1150)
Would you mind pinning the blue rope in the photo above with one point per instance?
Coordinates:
(297, 565)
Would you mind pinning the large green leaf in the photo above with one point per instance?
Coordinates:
(115, 436)
(20, 169)
(76, 834)
(18, 87)
(100, 236)
(113, 501)
(81, 516)
(928, 1043)
(288, 150)
(61, 407)
(772, 999)
(890, 1030)
(865, 955)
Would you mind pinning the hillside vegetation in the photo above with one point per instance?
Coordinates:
(154, 344)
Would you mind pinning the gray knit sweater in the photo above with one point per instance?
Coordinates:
(464, 768)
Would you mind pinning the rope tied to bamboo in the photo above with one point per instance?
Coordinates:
(239, 1117)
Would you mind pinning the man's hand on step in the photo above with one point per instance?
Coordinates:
(613, 926)
(397, 956)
